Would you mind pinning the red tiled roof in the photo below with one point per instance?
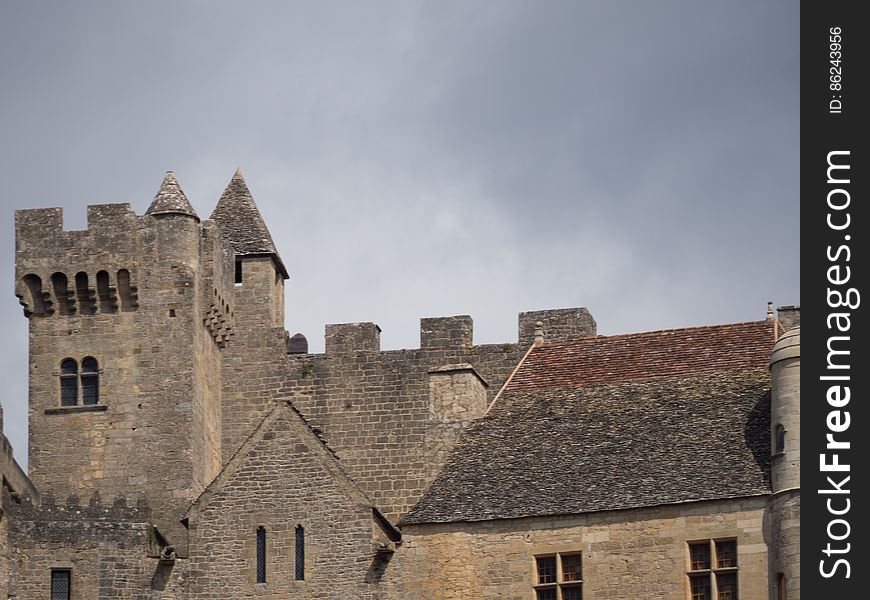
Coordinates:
(653, 354)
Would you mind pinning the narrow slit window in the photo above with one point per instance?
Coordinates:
(261, 555)
(69, 382)
(780, 439)
(61, 584)
(90, 381)
(238, 278)
(300, 553)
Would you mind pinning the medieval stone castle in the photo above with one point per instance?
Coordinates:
(184, 446)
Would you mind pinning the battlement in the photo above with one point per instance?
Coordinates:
(559, 324)
(347, 338)
(446, 332)
(456, 333)
(121, 509)
(43, 227)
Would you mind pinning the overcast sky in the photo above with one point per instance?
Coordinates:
(428, 158)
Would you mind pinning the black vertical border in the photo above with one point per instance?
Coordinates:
(824, 131)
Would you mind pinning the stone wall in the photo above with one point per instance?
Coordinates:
(283, 477)
(372, 406)
(110, 551)
(640, 553)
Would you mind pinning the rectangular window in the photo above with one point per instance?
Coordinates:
(559, 577)
(726, 554)
(713, 570)
(261, 555)
(547, 569)
(61, 584)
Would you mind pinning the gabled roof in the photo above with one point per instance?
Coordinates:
(317, 449)
(616, 422)
(242, 224)
(170, 199)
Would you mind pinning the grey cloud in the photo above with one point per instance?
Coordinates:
(423, 158)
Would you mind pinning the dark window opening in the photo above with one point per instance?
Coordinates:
(300, 553)
(726, 554)
(90, 381)
(700, 555)
(780, 587)
(559, 577)
(261, 555)
(238, 271)
(69, 382)
(713, 570)
(547, 569)
(780, 439)
(700, 587)
(61, 584)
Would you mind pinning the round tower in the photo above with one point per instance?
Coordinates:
(784, 507)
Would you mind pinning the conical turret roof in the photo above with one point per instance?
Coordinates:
(242, 224)
(170, 199)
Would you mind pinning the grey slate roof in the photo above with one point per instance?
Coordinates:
(241, 222)
(614, 440)
(170, 199)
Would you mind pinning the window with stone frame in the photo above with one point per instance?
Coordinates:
(61, 584)
(559, 576)
(79, 386)
(712, 570)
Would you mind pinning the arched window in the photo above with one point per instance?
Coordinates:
(300, 553)
(90, 381)
(69, 382)
(75, 382)
(779, 443)
(261, 555)
(781, 591)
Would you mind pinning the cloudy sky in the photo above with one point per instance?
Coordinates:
(428, 158)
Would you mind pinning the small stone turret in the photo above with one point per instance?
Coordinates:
(784, 506)
(260, 342)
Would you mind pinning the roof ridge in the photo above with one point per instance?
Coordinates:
(591, 339)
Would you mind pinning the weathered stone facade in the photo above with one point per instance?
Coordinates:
(639, 553)
(172, 418)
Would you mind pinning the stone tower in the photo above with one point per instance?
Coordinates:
(259, 348)
(127, 320)
(784, 506)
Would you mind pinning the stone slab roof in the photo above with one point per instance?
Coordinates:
(241, 222)
(616, 422)
(170, 199)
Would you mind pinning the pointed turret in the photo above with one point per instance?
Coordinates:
(170, 199)
(242, 224)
